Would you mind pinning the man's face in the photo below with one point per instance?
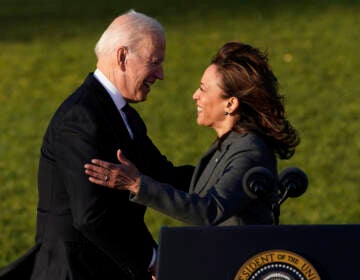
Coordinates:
(143, 67)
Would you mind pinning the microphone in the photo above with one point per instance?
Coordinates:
(293, 182)
(258, 182)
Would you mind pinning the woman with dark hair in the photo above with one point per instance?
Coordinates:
(238, 97)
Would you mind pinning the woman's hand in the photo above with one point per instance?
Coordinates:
(123, 176)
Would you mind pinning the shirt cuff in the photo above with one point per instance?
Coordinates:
(153, 259)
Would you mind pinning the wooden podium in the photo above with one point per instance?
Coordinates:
(306, 252)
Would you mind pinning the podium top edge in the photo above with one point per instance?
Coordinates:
(260, 227)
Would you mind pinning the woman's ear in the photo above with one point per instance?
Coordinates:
(232, 105)
(121, 57)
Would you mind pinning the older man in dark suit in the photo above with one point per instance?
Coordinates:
(85, 231)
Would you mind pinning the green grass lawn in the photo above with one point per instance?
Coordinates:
(47, 50)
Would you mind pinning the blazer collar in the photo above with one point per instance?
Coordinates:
(201, 166)
(212, 163)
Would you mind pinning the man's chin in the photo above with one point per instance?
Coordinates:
(141, 97)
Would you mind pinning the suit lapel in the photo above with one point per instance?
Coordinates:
(200, 167)
(208, 165)
(209, 170)
(111, 115)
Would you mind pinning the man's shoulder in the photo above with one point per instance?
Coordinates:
(90, 94)
(87, 101)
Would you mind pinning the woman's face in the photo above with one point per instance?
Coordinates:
(211, 106)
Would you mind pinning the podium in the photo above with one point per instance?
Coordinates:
(306, 252)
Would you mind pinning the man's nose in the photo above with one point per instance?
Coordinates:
(160, 73)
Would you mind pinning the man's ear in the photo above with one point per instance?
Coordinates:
(121, 54)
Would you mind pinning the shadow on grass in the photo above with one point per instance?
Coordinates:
(26, 20)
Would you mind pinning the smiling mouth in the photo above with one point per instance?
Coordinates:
(199, 109)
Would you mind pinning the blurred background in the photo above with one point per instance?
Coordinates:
(47, 50)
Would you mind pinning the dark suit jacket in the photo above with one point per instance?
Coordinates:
(85, 231)
(216, 194)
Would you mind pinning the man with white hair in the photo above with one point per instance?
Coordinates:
(85, 231)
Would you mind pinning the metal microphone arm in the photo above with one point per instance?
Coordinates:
(293, 182)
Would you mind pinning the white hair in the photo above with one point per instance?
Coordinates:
(128, 32)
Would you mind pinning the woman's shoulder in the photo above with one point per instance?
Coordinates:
(248, 140)
(252, 147)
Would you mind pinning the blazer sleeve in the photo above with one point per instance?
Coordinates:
(104, 217)
(225, 198)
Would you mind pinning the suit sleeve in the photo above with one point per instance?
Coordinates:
(103, 216)
(223, 199)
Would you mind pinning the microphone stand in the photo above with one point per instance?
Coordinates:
(275, 206)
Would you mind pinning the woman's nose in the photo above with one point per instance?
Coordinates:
(195, 95)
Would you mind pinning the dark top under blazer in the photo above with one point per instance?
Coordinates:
(85, 231)
(216, 194)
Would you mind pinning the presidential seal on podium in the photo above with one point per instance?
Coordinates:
(277, 264)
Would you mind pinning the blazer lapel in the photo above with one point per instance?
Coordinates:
(205, 169)
(200, 167)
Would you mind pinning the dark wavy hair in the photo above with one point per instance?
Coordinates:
(247, 75)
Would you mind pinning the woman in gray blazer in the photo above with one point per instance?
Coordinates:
(238, 97)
